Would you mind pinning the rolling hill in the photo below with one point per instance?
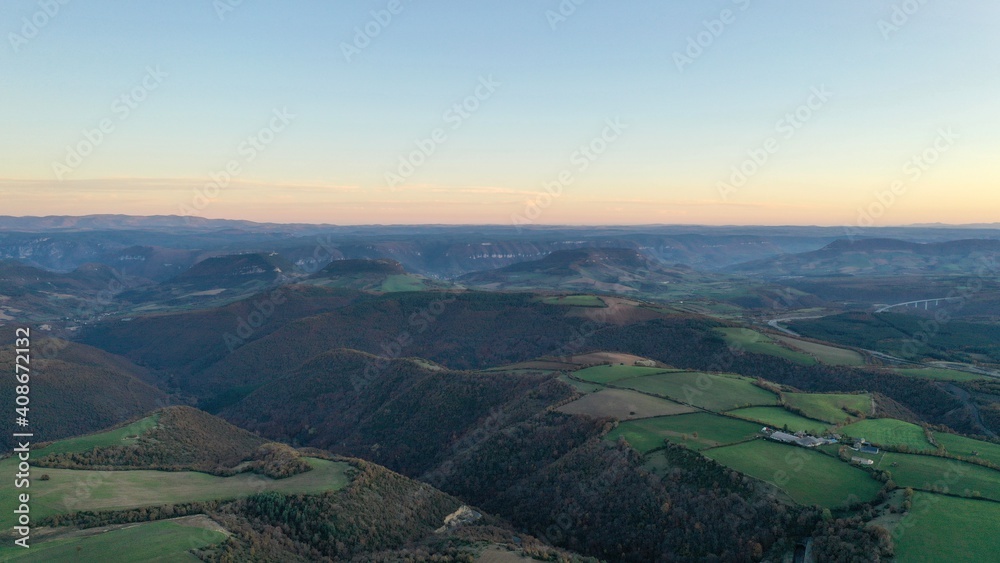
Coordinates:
(381, 275)
(211, 282)
(235, 270)
(401, 413)
(77, 389)
(474, 330)
(331, 509)
(585, 269)
(30, 294)
(175, 438)
(152, 262)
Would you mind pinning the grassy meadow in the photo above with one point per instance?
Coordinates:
(759, 343)
(889, 432)
(612, 373)
(697, 431)
(709, 391)
(829, 406)
(778, 417)
(163, 541)
(807, 476)
(942, 528)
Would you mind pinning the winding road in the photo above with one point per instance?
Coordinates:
(775, 323)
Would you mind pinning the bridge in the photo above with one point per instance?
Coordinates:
(916, 304)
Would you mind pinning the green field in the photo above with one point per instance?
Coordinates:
(162, 541)
(401, 282)
(808, 477)
(575, 301)
(69, 490)
(941, 374)
(889, 432)
(581, 386)
(623, 404)
(709, 391)
(115, 437)
(962, 446)
(942, 528)
(826, 354)
(696, 431)
(607, 374)
(758, 343)
(829, 406)
(778, 417)
(927, 472)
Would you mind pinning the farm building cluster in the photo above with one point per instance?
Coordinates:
(799, 438)
(864, 447)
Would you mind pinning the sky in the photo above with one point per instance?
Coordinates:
(735, 112)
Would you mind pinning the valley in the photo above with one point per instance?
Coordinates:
(747, 409)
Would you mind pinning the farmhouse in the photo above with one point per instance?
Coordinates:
(864, 447)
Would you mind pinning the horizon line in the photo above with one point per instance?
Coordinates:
(994, 225)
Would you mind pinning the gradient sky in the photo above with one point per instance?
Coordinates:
(892, 91)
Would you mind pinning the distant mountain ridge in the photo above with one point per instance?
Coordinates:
(929, 248)
(28, 293)
(267, 267)
(880, 257)
(133, 222)
(601, 269)
(360, 266)
(160, 247)
(89, 276)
